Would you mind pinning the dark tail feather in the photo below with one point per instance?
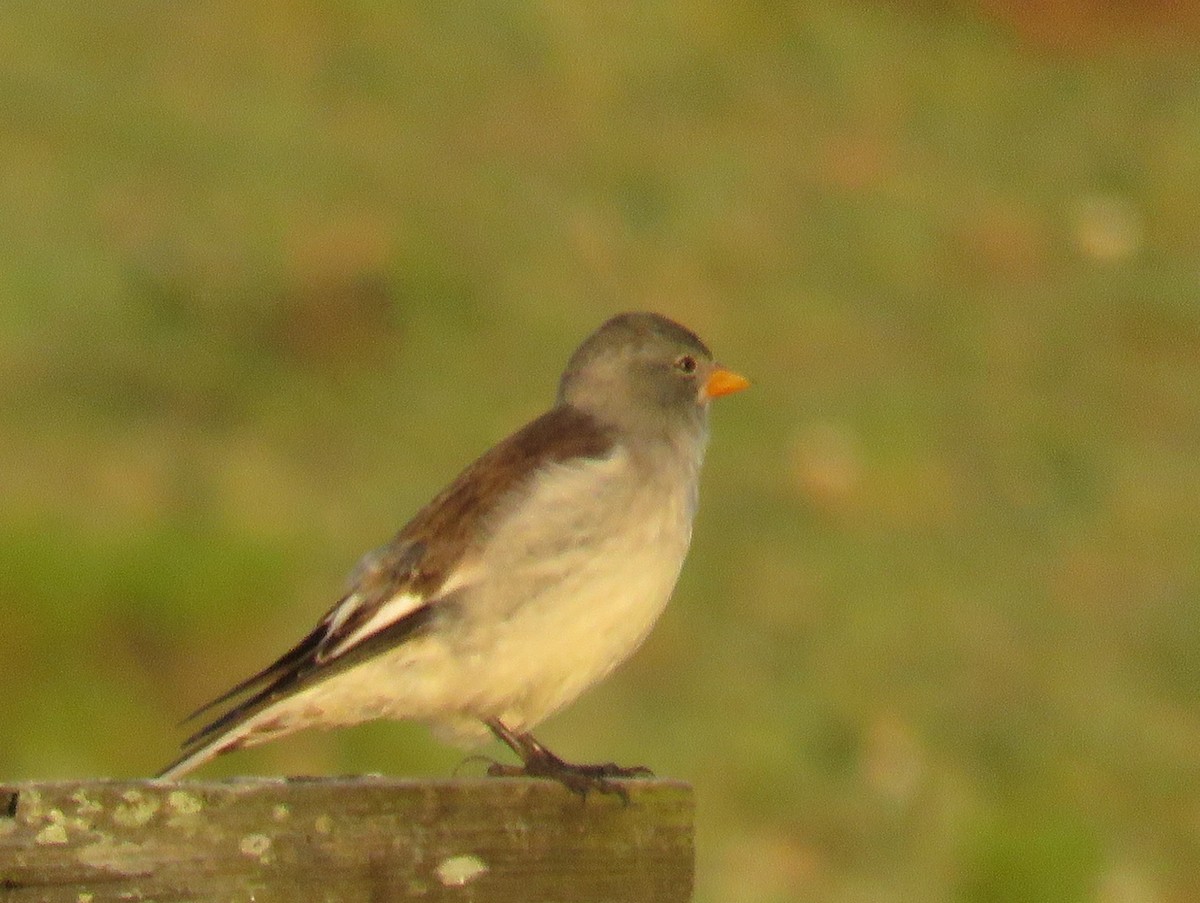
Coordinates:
(287, 663)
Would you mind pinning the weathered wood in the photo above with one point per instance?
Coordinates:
(488, 840)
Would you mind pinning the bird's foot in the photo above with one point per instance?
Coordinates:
(581, 779)
(539, 762)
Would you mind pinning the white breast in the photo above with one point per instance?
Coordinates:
(576, 583)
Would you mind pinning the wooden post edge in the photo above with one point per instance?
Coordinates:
(344, 840)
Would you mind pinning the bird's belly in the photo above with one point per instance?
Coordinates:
(577, 628)
(550, 656)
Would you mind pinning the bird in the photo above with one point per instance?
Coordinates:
(540, 568)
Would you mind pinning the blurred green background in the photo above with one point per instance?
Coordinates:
(270, 273)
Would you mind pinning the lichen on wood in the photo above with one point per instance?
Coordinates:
(349, 839)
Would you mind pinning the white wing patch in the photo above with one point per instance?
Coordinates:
(394, 609)
(389, 612)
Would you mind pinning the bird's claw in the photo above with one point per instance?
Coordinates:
(580, 779)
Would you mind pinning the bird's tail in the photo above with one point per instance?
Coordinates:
(209, 744)
(261, 717)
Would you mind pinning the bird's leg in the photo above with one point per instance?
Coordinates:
(539, 762)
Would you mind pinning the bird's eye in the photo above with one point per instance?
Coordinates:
(686, 364)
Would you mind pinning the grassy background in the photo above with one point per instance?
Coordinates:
(271, 273)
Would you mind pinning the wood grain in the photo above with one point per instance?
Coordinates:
(353, 839)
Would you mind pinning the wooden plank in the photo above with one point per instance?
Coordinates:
(490, 840)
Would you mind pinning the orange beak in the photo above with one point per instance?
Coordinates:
(723, 382)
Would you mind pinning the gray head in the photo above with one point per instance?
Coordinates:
(644, 373)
